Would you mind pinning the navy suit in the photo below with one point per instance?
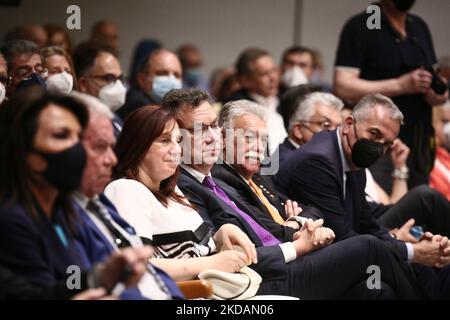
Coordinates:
(336, 271)
(284, 150)
(313, 174)
(30, 247)
(135, 99)
(98, 247)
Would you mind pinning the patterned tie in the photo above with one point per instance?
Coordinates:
(272, 210)
(267, 239)
(97, 208)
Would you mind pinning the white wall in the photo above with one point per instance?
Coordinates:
(222, 28)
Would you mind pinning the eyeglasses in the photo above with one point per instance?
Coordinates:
(25, 72)
(108, 78)
(204, 129)
(324, 125)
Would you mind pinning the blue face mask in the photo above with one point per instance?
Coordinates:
(192, 77)
(163, 84)
(33, 80)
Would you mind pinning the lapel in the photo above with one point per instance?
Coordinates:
(224, 207)
(276, 198)
(227, 174)
(356, 185)
(59, 256)
(115, 215)
(98, 235)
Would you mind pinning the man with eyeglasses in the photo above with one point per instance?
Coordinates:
(24, 64)
(100, 75)
(317, 111)
(328, 174)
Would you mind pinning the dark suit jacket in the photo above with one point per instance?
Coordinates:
(14, 287)
(313, 175)
(244, 197)
(32, 249)
(99, 248)
(135, 99)
(241, 94)
(285, 149)
(271, 264)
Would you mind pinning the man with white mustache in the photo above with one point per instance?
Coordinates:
(245, 140)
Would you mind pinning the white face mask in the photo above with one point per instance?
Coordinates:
(60, 83)
(113, 95)
(2, 92)
(294, 77)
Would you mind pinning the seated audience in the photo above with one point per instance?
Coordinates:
(59, 37)
(25, 65)
(146, 196)
(61, 76)
(259, 78)
(326, 173)
(100, 75)
(160, 73)
(286, 267)
(42, 163)
(108, 231)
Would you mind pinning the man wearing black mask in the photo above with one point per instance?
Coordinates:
(395, 58)
(25, 66)
(327, 173)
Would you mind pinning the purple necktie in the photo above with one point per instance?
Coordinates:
(265, 236)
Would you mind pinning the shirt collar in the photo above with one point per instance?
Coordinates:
(295, 144)
(345, 165)
(82, 199)
(196, 174)
(270, 102)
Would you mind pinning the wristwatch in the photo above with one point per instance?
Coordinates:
(297, 219)
(401, 173)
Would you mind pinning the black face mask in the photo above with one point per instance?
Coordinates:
(365, 152)
(31, 81)
(65, 168)
(403, 5)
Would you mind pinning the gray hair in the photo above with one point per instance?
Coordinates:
(15, 47)
(94, 105)
(362, 110)
(306, 107)
(238, 108)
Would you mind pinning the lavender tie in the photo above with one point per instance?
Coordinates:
(267, 239)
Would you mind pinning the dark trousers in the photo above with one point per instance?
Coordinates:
(428, 207)
(339, 271)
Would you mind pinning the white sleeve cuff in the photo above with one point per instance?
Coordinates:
(410, 249)
(289, 252)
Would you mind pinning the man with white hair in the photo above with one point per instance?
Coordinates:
(327, 173)
(316, 112)
(109, 230)
(244, 134)
(287, 267)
